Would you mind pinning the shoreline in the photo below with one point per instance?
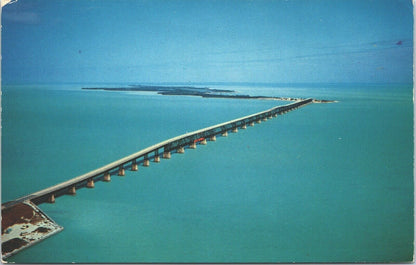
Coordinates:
(23, 225)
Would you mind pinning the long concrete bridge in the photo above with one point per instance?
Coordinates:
(154, 152)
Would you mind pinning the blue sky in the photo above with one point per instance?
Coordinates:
(270, 41)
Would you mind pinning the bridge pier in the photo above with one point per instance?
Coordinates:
(264, 118)
(51, 198)
(72, 190)
(192, 145)
(90, 184)
(146, 161)
(166, 155)
(258, 121)
(275, 115)
(213, 138)
(180, 150)
(107, 177)
(244, 126)
(204, 142)
(251, 124)
(157, 159)
(234, 130)
(225, 134)
(134, 166)
(121, 171)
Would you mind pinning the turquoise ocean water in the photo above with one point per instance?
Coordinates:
(324, 183)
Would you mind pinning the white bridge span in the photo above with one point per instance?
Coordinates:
(175, 144)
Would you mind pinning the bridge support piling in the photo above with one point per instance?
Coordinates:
(225, 134)
(157, 157)
(51, 198)
(251, 124)
(166, 155)
(146, 162)
(107, 177)
(244, 126)
(204, 142)
(90, 184)
(213, 138)
(192, 145)
(134, 166)
(264, 119)
(234, 130)
(72, 190)
(258, 121)
(121, 171)
(180, 150)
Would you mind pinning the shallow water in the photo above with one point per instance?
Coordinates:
(324, 183)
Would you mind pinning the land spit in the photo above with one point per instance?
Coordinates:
(23, 225)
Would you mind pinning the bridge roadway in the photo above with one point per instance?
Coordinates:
(174, 144)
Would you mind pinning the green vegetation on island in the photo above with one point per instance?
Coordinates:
(204, 92)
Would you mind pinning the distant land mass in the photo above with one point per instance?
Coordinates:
(204, 92)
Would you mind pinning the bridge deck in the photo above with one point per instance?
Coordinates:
(168, 145)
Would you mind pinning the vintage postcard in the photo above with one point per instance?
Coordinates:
(232, 131)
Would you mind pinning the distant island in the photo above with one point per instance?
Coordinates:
(204, 92)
